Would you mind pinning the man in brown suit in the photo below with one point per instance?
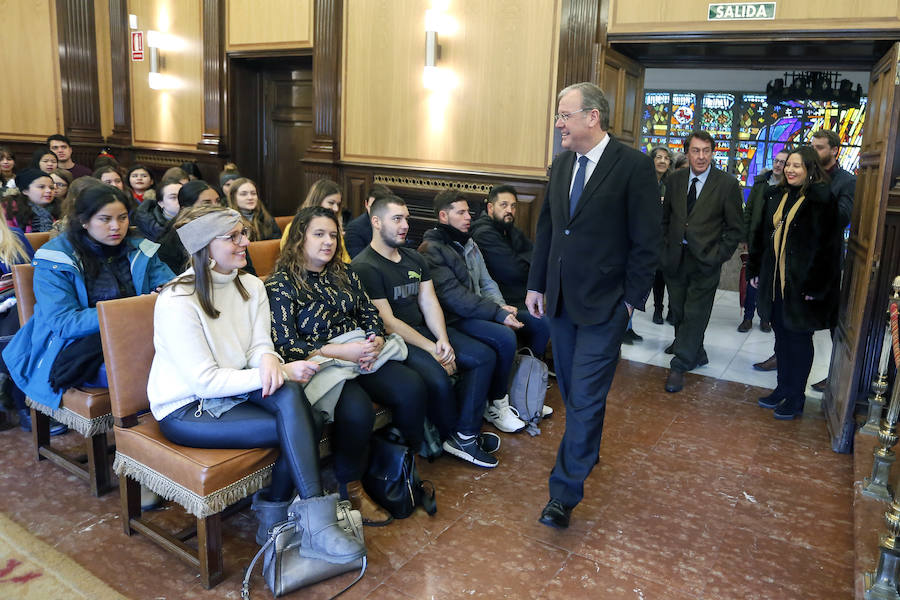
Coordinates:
(702, 225)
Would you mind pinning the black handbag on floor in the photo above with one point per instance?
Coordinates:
(392, 479)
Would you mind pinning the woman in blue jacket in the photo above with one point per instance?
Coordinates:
(94, 260)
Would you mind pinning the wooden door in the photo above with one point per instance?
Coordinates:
(287, 132)
(858, 289)
(622, 81)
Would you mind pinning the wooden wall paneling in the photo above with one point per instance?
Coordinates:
(324, 150)
(691, 16)
(355, 186)
(622, 81)
(496, 119)
(78, 70)
(214, 123)
(578, 42)
(269, 25)
(104, 77)
(120, 73)
(170, 119)
(31, 107)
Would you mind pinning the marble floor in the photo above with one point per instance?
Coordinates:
(697, 495)
(731, 353)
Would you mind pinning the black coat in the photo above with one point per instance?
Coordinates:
(507, 254)
(358, 234)
(608, 250)
(812, 264)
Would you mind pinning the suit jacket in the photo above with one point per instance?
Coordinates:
(843, 186)
(712, 230)
(607, 251)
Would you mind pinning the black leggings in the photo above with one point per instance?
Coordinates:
(283, 420)
(394, 386)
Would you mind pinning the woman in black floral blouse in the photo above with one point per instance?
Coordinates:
(314, 299)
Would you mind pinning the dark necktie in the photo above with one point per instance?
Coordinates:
(577, 184)
(692, 195)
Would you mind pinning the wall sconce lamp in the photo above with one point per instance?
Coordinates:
(434, 77)
(160, 41)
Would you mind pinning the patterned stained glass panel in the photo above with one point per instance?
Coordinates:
(786, 120)
(743, 159)
(721, 155)
(751, 117)
(820, 115)
(649, 142)
(851, 125)
(718, 115)
(656, 113)
(848, 157)
(681, 123)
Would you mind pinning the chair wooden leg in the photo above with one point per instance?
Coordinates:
(40, 432)
(130, 496)
(209, 550)
(99, 470)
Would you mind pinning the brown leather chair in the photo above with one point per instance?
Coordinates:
(85, 410)
(37, 239)
(264, 255)
(283, 222)
(204, 482)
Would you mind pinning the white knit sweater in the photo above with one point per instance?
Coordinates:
(199, 357)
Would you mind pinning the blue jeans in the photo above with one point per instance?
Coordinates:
(460, 409)
(536, 332)
(502, 340)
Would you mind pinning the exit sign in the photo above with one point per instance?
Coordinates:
(742, 11)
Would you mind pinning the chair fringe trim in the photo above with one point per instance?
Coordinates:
(199, 506)
(86, 427)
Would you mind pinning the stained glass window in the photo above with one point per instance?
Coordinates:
(751, 116)
(717, 116)
(682, 122)
(656, 114)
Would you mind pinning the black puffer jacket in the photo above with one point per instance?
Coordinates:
(507, 254)
(812, 262)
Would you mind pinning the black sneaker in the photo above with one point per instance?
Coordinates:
(469, 451)
(489, 442)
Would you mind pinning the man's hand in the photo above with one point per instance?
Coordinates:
(630, 309)
(443, 352)
(510, 309)
(534, 302)
(754, 281)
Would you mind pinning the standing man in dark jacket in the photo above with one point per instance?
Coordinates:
(507, 254)
(702, 225)
(595, 255)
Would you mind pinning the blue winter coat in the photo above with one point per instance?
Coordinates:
(61, 312)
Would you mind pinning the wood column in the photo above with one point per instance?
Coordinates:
(323, 153)
(120, 43)
(578, 42)
(78, 71)
(214, 77)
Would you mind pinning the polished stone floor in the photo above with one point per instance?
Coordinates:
(697, 495)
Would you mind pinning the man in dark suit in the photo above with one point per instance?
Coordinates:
(703, 223)
(594, 260)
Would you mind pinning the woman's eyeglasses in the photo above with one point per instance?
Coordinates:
(235, 237)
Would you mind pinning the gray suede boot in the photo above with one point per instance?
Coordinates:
(268, 514)
(322, 537)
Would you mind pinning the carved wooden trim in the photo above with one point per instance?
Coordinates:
(577, 41)
(120, 42)
(432, 183)
(325, 146)
(214, 77)
(78, 71)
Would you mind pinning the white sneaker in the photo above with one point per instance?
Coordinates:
(503, 416)
(546, 411)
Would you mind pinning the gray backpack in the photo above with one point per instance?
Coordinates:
(528, 388)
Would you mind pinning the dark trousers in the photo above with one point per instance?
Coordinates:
(536, 332)
(794, 351)
(458, 408)
(750, 302)
(394, 386)
(502, 340)
(659, 290)
(283, 420)
(585, 357)
(692, 290)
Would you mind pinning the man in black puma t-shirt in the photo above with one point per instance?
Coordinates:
(399, 284)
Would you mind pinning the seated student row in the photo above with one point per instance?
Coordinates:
(97, 233)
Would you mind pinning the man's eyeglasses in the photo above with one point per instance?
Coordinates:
(778, 162)
(565, 116)
(235, 237)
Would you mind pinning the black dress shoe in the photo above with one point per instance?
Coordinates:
(745, 326)
(631, 336)
(765, 326)
(56, 428)
(772, 400)
(789, 409)
(820, 386)
(657, 316)
(670, 349)
(675, 381)
(555, 514)
(669, 319)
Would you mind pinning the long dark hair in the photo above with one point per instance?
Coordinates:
(200, 279)
(190, 192)
(814, 171)
(293, 261)
(87, 204)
